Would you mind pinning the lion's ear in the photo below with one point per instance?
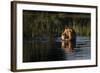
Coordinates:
(71, 30)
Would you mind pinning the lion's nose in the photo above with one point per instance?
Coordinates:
(67, 37)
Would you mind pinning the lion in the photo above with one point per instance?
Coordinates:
(68, 39)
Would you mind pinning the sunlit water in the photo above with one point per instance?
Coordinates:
(43, 50)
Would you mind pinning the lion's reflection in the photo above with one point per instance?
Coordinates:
(68, 46)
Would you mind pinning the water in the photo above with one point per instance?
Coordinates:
(82, 50)
(53, 50)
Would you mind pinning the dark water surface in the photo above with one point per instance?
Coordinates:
(42, 50)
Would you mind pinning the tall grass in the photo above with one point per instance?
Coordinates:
(41, 23)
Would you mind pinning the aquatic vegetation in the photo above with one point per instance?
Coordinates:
(42, 23)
